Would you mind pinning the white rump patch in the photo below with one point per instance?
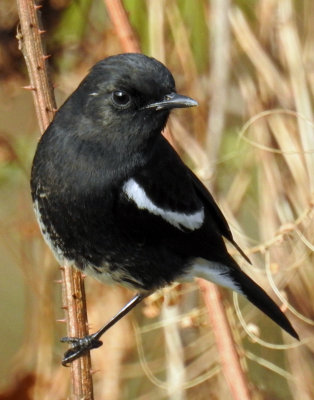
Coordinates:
(136, 193)
(214, 272)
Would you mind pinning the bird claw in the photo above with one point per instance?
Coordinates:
(79, 347)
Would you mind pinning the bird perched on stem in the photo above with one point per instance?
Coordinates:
(113, 198)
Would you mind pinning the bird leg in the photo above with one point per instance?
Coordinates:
(81, 345)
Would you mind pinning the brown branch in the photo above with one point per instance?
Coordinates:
(73, 294)
(31, 45)
(229, 358)
(122, 26)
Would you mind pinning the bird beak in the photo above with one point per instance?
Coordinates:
(173, 100)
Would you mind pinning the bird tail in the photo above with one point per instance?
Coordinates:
(256, 295)
(232, 277)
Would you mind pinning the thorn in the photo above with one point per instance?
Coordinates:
(41, 31)
(57, 281)
(29, 87)
(54, 109)
(83, 276)
(64, 307)
(62, 268)
(61, 320)
(38, 6)
(45, 57)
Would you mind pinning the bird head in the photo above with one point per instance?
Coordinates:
(130, 92)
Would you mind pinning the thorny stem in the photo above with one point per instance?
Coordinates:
(73, 295)
(230, 362)
(30, 43)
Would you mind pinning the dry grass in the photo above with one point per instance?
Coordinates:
(262, 171)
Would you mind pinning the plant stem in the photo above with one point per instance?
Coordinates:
(229, 357)
(31, 45)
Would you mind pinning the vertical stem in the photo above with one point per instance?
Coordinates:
(229, 357)
(174, 353)
(220, 66)
(31, 45)
(74, 301)
(126, 35)
(220, 54)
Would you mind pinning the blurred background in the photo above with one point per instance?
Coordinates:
(250, 66)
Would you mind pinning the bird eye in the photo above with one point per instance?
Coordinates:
(121, 98)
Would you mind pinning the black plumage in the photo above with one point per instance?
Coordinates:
(113, 197)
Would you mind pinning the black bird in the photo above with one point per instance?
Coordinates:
(113, 198)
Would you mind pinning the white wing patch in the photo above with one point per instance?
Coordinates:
(214, 272)
(136, 193)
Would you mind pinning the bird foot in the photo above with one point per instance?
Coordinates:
(79, 347)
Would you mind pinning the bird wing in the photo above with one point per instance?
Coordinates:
(163, 192)
(216, 213)
(166, 188)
